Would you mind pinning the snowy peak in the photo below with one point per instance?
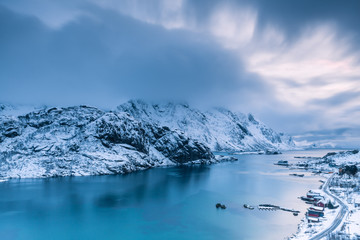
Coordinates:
(84, 140)
(219, 128)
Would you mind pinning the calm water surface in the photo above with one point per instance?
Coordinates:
(160, 203)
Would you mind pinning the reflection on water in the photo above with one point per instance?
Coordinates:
(160, 203)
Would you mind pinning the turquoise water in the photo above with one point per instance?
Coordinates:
(160, 203)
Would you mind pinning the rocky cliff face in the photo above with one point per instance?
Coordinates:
(219, 128)
(84, 140)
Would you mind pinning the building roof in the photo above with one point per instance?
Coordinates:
(313, 218)
(317, 208)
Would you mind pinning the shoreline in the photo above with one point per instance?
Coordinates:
(334, 222)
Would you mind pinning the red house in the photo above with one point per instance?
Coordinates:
(320, 203)
(314, 213)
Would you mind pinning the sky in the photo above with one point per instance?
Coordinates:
(293, 64)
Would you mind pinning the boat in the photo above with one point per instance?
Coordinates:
(296, 175)
(248, 206)
(282, 163)
(307, 199)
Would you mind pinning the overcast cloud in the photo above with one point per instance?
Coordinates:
(294, 64)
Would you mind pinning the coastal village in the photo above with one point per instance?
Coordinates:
(334, 209)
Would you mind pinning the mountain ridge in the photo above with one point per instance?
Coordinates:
(81, 140)
(219, 128)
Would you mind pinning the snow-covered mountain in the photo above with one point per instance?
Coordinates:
(85, 140)
(343, 157)
(82, 140)
(219, 128)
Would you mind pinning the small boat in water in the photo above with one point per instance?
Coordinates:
(296, 175)
(248, 206)
(282, 163)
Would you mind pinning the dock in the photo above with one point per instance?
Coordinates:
(271, 207)
(290, 210)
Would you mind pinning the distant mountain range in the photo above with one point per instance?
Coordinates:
(82, 140)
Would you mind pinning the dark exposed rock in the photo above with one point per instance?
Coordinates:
(355, 151)
(116, 128)
(268, 152)
(329, 154)
(219, 205)
(181, 149)
(349, 170)
(244, 129)
(10, 127)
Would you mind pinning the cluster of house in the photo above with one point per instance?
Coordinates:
(319, 203)
(347, 187)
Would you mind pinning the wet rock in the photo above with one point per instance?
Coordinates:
(219, 205)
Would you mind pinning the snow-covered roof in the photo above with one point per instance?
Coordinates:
(317, 208)
(313, 218)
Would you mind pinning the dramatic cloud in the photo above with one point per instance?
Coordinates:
(107, 58)
(294, 64)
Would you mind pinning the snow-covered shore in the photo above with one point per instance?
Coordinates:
(345, 187)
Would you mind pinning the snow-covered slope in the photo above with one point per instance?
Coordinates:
(219, 128)
(343, 157)
(84, 140)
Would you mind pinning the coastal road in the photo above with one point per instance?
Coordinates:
(337, 221)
